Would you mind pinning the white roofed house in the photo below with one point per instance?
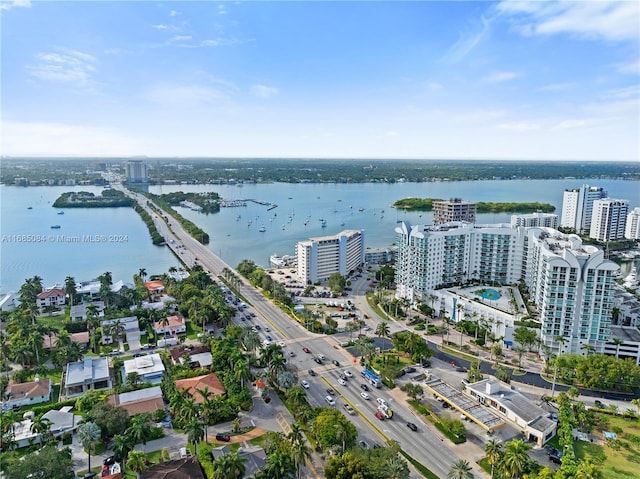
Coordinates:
(149, 368)
(89, 373)
(79, 312)
(114, 328)
(60, 421)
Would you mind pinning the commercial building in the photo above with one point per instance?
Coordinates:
(608, 219)
(571, 284)
(319, 258)
(89, 373)
(577, 207)
(453, 210)
(533, 420)
(546, 220)
(624, 343)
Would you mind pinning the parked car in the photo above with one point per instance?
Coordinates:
(223, 437)
(109, 460)
(412, 426)
(305, 384)
(409, 369)
(363, 444)
(292, 354)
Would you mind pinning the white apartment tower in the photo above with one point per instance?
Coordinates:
(137, 171)
(577, 207)
(573, 287)
(540, 219)
(571, 284)
(608, 219)
(319, 258)
(632, 228)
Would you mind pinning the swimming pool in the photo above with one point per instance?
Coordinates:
(488, 293)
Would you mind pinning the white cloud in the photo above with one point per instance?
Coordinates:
(161, 27)
(632, 91)
(434, 86)
(222, 10)
(520, 126)
(570, 124)
(263, 91)
(51, 139)
(173, 13)
(8, 5)
(70, 66)
(632, 67)
(180, 38)
(185, 96)
(601, 20)
(499, 77)
(558, 87)
(392, 133)
(468, 41)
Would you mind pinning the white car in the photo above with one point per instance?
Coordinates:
(342, 382)
(321, 356)
(305, 384)
(381, 401)
(330, 400)
(282, 344)
(348, 373)
(365, 395)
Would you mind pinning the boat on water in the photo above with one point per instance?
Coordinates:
(262, 229)
(60, 212)
(30, 208)
(360, 209)
(55, 227)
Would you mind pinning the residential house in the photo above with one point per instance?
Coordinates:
(139, 401)
(187, 468)
(82, 338)
(172, 326)
(89, 373)
(27, 394)
(198, 383)
(255, 458)
(149, 368)
(79, 311)
(199, 357)
(62, 421)
(130, 325)
(51, 297)
(155, 289)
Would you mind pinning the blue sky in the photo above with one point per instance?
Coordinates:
(503, 80)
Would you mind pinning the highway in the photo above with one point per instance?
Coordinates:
(425, 445)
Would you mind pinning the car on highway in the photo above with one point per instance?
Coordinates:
(223, 437)
(349, 409)
(258, 327)
(365, 395)
(269, 338)
(379, 415)
(336, 363)
(312, 372)
(364, 387)
(282, 344)
(306, 350)
(412, 426)
(267, 329)
(381, 401)
(330, 401)
(305, 384)
(254, 329)
(317, 360)
(342, 382)
(348, 373)
(331, 392)
(321, 356)
(292, 354)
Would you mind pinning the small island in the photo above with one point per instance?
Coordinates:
(426, 204)
(84, 199)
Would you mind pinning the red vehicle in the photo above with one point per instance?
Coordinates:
(379, 415)
(223, 437)
(306, 350)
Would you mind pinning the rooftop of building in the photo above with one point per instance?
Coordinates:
(625, 333)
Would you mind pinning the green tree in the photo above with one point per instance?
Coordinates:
(515, 459)
(89, 434)
(346, 466)
(140, 428)
(42, 427)
(137, 462)
(331, 428)
(336, 283)
(460, 470)
(47, 462)
(414, 391)
(493, 450)
(111, 419)
(195, 432)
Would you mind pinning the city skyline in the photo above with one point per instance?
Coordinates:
(488, 80)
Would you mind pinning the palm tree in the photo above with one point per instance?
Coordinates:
(137, 462)
(460, 470)
(140, 428)
(300, 448)
(397, 468)
(342, 433)
(195, 432)
(241, 372)
(89, 433)
(515, 459)
(41, 426)
(142, 273)
(70, 288)
(122, 444)
(617, 342)
(382, 330)
(587, 470)
(236, 467)
(493, 450)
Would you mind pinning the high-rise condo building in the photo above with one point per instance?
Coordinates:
(546, 220)
(577, 207)
(137, 171)
(632, 228)
(453, 210)
(608, 219)
(319, 258)
(571, 284)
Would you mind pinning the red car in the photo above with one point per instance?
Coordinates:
(223, 437)
(379, 415)
(306, 350)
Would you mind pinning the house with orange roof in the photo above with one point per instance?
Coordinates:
(172, 326)
(139, 401)
(198, 383)
(82, 338)
(27, 394)
(51, 297)
(155, 288)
